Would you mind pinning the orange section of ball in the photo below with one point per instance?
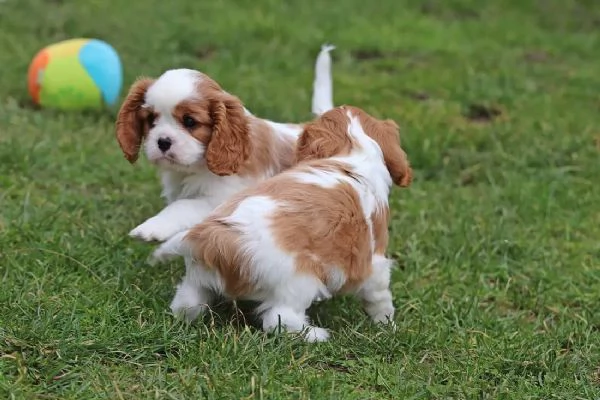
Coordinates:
(33, 75)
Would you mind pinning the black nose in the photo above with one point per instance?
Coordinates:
(164, 144)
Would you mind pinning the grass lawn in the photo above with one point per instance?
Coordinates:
(497, 241)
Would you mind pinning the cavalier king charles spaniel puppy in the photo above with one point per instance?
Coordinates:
(315, 230)
(206, 144)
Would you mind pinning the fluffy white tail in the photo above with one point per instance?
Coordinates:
(322, 100)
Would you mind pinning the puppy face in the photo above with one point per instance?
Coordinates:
(186, 122)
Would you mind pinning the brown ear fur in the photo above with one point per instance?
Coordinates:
(229, 146)
(386, 134)
(130, 124)
(326, 137)
(395, 157)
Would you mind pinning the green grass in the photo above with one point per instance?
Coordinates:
(498, 279)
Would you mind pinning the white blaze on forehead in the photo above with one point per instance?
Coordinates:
(172, 87)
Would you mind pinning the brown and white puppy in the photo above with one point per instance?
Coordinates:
(207, 145)
(315, 230)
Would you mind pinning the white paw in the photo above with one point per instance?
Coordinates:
(314, 334)
(187, 313)
(381, 312)
(322, 296)
(184, 309)
(187, 303)
(159, 256)
(386, 322)
(384, 318)
(153, 230)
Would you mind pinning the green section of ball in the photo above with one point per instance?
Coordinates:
(68, 86)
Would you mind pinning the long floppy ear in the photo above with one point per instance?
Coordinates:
(394, 156)
(387, 135)
(326, 137)
(130, 124)
(229, 146)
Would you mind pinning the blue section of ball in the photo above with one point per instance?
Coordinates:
(103, 65)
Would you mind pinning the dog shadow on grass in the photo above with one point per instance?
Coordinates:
(239, 316)
(331, 314)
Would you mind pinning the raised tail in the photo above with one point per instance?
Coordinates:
(322, 100)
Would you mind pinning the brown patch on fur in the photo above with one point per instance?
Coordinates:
(381, 218)
(236, 143)
(386, 134)
(325, 137)
(147, 116)
(324, 228)
(328, 136)
(334, 234)
(217, 244)
(198, 110)
(131, 126)
(270, 151)
(230, 145)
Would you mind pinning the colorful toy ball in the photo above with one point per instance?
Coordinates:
(76, 74)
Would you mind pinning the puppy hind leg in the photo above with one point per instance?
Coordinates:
(287, 308)
(191, 297)
(375, 291)
(291, 320)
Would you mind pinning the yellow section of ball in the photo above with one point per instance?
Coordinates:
(66, 48)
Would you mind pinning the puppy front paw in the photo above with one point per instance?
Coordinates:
(385, 317)
(187, 305)
(159, 256)
(153, 230)
(314, 334)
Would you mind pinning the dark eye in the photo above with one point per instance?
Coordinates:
(189, 122)
(151, 119)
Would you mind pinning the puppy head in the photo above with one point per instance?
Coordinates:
(386, 134)
(325, 137)
(186, 122)
(331, 135)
